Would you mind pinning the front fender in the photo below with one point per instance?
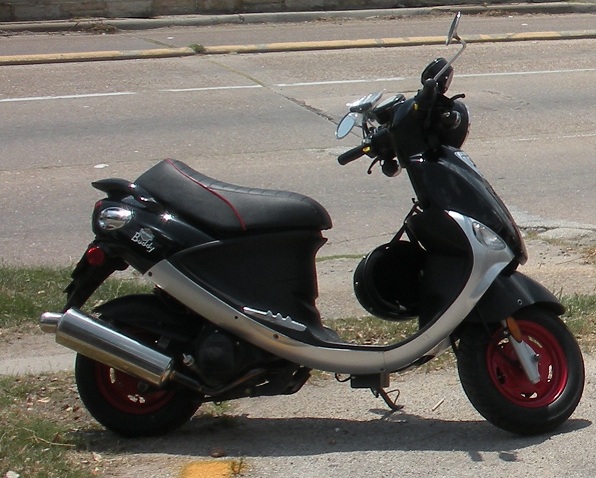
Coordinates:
(509, 294)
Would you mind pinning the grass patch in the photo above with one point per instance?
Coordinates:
(341, 256)
(372, 331)
(39, 416)
(46, 432)
(199, 49)
(580, 317)
(26, 292)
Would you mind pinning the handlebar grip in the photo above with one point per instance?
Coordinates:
(428, 91)
(424, 101)
(351, 155)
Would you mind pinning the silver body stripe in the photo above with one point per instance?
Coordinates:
(373, 359)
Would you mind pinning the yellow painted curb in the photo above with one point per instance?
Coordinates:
(531, 36)
(392, 42)
(288, 46)
(322, 45)
(95, 56)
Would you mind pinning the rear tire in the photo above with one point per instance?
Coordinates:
(129, 406)
(497, 386)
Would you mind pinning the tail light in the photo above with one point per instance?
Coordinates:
(95, 256)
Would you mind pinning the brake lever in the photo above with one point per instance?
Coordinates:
(375, 161)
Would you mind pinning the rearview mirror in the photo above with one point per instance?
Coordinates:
(453, 30)
(452, 35)
(346, 125)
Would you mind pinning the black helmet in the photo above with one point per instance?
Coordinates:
(433, 69)
(387, 281)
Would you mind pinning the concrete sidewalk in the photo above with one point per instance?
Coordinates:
(558, 7)
(129, 47)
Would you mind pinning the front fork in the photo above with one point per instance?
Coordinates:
(526, 355)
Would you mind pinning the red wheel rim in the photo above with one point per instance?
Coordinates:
(128, 394)
(510, 379)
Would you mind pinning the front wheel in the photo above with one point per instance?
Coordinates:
(497, 386)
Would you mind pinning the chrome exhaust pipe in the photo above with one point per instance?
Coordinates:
(48, 322)
(99, 341)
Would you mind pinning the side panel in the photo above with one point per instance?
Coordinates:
(267, 272)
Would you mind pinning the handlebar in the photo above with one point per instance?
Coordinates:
(400, 128)
(428, 91)
(352, 154)
(426, 96)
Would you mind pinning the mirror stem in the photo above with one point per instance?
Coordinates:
(450, 62)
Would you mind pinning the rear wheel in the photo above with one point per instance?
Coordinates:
(497, 386)
(129, 406)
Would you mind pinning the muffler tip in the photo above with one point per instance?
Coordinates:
(48, 322)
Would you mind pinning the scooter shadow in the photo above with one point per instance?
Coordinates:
(242, 436)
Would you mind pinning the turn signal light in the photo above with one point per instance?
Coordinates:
(487, 237)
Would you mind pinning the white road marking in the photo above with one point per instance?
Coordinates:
(536, 138)
(297, 84)
(66, 97)
(211, 88)
(558, 138)
(339, 82)
(522, 73)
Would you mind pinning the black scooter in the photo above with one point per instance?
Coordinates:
(233, 310)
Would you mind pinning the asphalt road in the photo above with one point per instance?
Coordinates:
(268, 120)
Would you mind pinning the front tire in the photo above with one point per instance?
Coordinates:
(497, 386)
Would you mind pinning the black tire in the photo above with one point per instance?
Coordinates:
(128, 406)
(121, 402)
(497, 386)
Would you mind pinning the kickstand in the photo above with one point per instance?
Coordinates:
(391, 403)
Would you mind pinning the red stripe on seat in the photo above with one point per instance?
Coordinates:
(219, 196)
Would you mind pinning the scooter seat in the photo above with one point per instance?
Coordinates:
(227, 209)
